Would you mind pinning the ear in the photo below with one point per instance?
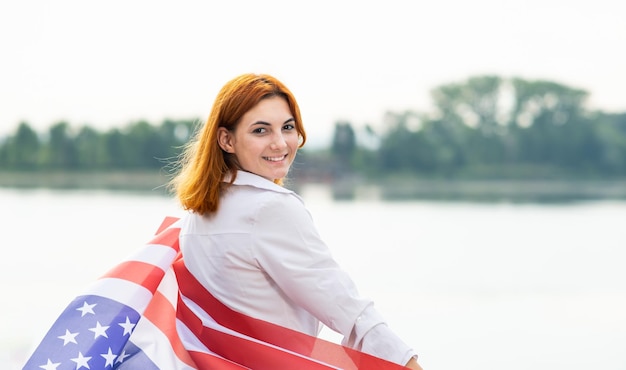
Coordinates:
(225, 140)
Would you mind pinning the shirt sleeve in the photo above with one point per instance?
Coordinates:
(372, 335)
(287, 246)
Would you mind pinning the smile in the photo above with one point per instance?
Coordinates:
(275, 159)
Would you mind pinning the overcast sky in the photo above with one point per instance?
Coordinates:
(111, 62)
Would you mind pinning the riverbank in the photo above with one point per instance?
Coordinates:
(141, 181)
(154, 182)
(510, 190)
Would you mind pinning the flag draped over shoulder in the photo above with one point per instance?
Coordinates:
(149, 312)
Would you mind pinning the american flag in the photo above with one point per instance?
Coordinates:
(149, 312)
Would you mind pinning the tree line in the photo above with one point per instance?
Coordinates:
(483, 127)
(491, 127)
(139, 145)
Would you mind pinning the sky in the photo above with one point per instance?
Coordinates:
(110, 63)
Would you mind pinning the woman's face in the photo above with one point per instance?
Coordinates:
(265, 140)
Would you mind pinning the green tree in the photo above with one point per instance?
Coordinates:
(175, 135)
(61, 152)
(406, 148)
(116, 148)
(145, 146)
(474, 114)
(477, 102)
(23, 149)
(552, 124)
(610, 130)
(343, 145)
(90, 150)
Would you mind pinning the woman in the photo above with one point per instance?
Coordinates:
(251, 242)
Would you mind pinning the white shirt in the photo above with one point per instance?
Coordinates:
(260, 254)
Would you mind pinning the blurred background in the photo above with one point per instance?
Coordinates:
(474, 154)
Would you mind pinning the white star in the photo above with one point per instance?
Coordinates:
(87, 308)
(68, 337)
(122, 357)
(99, 330)
(50, 365)
(110, 357)
(128, 326)
(81, 361)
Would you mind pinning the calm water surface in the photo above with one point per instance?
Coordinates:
(470, 286)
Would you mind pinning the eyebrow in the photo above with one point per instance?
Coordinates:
(269, 124)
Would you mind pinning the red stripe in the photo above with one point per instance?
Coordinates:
(162, 314)
(141, 273)
(262, 330)
(167, 222)
(242, 351)
(205, 361)
(168, 237)
(319, 349)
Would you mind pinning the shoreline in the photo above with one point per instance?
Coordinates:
(155, 182)
(138, 180)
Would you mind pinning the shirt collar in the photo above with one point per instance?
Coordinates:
(250, 179)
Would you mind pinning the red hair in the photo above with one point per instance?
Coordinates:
(203, 164)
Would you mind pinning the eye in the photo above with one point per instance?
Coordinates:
(288, 127)
(259, 130)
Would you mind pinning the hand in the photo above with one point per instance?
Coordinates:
(412, 364)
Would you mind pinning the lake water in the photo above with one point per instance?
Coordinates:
(468, 285)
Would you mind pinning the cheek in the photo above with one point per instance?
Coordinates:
(249, 146)
(293, 140)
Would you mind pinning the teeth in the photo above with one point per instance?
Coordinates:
(275, 159)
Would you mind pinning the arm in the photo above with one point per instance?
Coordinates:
(289, 250)
(412, 364)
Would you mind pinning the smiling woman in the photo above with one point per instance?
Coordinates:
(252, 244)
(268, 111)
(265, 140)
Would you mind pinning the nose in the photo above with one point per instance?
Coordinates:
(278, 142)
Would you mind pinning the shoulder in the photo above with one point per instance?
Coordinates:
(269, 203)
(259, 201)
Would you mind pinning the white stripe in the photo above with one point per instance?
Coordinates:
(169, 287)
(176, 224)
(133, 295)
(190, 341)
(155, 254)
(156, 345)
(209, 322)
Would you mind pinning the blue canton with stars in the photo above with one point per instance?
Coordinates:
(92, 333)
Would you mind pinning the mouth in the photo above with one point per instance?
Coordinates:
(275, 159)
